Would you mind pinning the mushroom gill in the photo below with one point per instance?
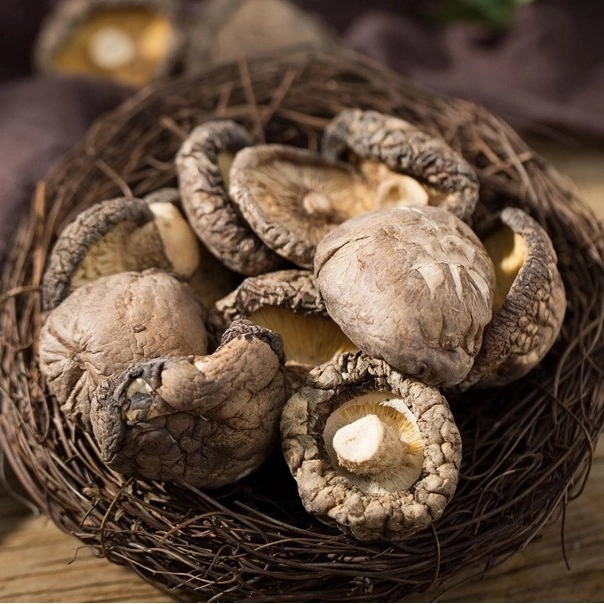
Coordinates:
(375, 442)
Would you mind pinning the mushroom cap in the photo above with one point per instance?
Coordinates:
(332, 493)
(129, 41)
(410, 285)
(104, 326)
(292, 197)
(530, 306)
(287, 302)
(403, 148)
(209, 420)
(118, 235)
(229, 29)
(203, 163)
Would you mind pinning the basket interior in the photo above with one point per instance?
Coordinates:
(527, 447)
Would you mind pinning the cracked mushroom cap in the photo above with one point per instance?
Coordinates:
(119, 235)
(372, 451)
(292, 197)
(129, 41)
(104, 326)
(529, 305)
(288, 303)
(411, 285)
(210, 420)
(203, 163)
(407, 165)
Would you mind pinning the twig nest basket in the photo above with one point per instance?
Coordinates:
(526, 447)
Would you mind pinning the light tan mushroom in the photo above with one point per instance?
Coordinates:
(129, 41)
(117, 235)
(406, 164)
(411, 285)
(530, 301)
(293, 197)
(227, 30)
(203, 164)
(288, 303)
(208, 420)
(104, 326)
(373, 452)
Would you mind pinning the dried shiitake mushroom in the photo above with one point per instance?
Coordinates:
(372, 451)
(529, 305)
(107, 324)
(209, 420)
(230, 29)
(292, 197)
(129, 41)
(117, 235)
(288, 303)
(405, 164)
(203, 164)
(411, 285)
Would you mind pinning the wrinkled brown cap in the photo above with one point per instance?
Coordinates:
(370, 138)
(104, 326)
(292, 197)
(209, 420)
(334, 494)
(129, 41)
(287, 302)
(413, 286)
(530, 305)
(117, 235)
(203, 164)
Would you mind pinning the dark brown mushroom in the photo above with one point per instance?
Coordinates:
(208, 420)
(227, 30)
(129, 41)
(411, 285)
(203, 164)
(373, 452)
(117, 235)
(293, 197)
(530, 301)
(104, 326)
(288, 303)
(385, 148)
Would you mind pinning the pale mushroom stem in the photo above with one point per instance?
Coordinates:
(368, 446)
(111, 48)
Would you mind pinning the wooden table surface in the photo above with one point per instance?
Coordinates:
(40, 563)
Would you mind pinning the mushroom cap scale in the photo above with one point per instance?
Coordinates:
(412, 285)
(209, 420)
(531, 301)
(292, 197)
(403, 148)
(326, 490)
(203, 165)
(104, 326)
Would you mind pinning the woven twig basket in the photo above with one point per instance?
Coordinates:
(527, 448)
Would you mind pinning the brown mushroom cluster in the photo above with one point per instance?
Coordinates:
(324, 302)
